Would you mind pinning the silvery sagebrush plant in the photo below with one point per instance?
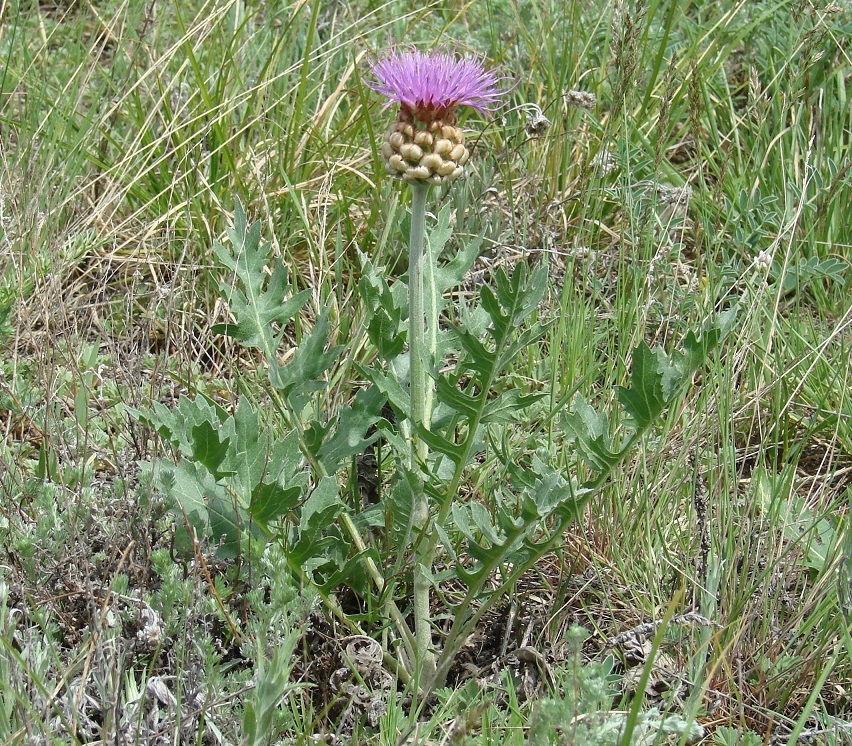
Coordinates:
(260, 474)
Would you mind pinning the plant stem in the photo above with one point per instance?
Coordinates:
(417, 330)
(421, 390)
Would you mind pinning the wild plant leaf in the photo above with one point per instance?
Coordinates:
(439, 235)
(176, 425)
(516, 536)
(258, 301)
(229, 523)
(249, 457)
(550, 491)
(320, 509)
(482, 519)
(499, 320)
(517, 295)
(321, 551)
(269, 501)
(385, 328)
(506, 406)
(348, 572)
(516, 298)
(697, 348)
(399, 506)
(449, 275)
(210, 446)
(533, 291)
(199, 499)
(386, 333)
(479, 359)
(520, 342)
(653, 380)
(263, 701)
(287, 456)
(391, 388)
(805, 271)
(348, 436)
(589, 432)
(302, 376)
(277, 476)
(439, 444)
(448, 393)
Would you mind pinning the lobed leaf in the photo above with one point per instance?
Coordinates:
(589, 432)
(258, 301)
(303, 375)
(348, 436)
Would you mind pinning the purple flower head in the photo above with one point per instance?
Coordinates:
(430, 85)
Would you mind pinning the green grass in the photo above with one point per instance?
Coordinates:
(127, 131)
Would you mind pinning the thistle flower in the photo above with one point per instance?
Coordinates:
(424, 144)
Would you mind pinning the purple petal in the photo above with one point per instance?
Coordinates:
(432, 84)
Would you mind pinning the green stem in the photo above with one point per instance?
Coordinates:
(421, 389)
(417, 329)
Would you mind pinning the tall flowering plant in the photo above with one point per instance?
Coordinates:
(243, 477)
(425, 146)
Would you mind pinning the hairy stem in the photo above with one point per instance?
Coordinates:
(421, 355)
(418, 345)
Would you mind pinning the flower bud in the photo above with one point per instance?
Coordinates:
(411, 152)
(446, 168)
(432, 161)
(418, 151)
(424, 139)
(442, 147)
(457, 152)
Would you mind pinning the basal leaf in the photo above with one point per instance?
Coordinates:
(439, 235)
(177, 425)
(271, 501)
(202, 502)
(386, 333)
(482, 519)
(228, 521)
(385, 328)
(479, 358)
(462, 403)
(249, 458)
(440, 444)
(492, 306)
(655, 379)
(320, 509)
(697, 348)
(208, 449)
(321, 550)
(256, 299)
(302, 376)
(449, 274)
(505, 407)
(348, 437)
(521, 341)
(391, 388)
(652, 380)
(589, 431)
(399, 507)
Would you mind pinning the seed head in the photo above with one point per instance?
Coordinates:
(581, 99)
